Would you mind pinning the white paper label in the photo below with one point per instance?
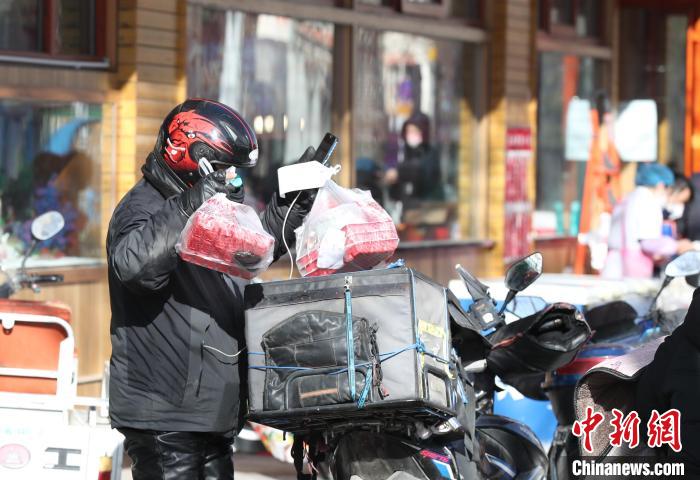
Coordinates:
(303, 176)
(579, 130)
(636, 131)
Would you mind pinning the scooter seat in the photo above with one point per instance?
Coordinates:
(31, 346)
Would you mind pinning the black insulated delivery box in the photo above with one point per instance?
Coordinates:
(298, 334)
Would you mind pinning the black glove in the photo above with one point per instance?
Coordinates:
(191, 199)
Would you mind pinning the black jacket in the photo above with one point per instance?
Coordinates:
(177, 329)
(420, 176)
(689, 224)
(672, 380)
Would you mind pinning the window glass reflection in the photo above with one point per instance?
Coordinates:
(51, 156)
(20, 25)
(276, 71)
(414, 133)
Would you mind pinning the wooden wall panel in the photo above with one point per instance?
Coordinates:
(154, 50)
(146, 84)
(21, 81)
(511, 34)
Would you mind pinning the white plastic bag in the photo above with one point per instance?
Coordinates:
(346, 230)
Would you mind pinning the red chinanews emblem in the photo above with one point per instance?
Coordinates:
(185, 129)
(14, 455)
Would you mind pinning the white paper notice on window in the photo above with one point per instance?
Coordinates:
(636, 131)
(579, 130)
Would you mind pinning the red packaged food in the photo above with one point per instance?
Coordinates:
(227, 237)
(345, 231)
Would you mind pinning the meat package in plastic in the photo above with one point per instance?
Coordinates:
(227, 237)
(345, 231)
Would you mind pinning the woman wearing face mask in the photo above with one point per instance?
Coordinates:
(636, 239)
(418, 176)
(680, 194)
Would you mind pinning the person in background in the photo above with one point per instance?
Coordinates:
(689, 224)
(418, 175)
(680, 194)
(636, 239)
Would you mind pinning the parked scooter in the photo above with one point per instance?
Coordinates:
(500, 448)
(47, 431)
(617, 330)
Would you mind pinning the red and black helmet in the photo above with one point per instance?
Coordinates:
(207, 129)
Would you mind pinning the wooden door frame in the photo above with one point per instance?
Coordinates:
(692, 107)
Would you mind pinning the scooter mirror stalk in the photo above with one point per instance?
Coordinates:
(685, 265)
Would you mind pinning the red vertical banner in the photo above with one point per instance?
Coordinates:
(518, 209)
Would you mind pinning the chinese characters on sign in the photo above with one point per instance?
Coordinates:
(517, 205)
(662, 429)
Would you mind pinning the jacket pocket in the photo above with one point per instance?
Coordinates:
(213, 377)
(199, 324)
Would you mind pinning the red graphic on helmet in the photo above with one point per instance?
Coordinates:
(185, 129)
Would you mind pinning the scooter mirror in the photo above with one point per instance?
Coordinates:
(521, 275)
(684, 265)
(524, 272)
(47, 225)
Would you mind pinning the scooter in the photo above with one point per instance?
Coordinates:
(617, 330)
(48, 431)
(475, 444)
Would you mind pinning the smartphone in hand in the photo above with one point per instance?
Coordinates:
(326, 148)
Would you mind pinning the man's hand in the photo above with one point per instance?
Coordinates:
(191, 199)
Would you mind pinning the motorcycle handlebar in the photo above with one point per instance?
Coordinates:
(34, 279)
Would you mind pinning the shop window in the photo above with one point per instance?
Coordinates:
(562, 12)
(71, 29)
(563, 78)
(572, 18)
(379, 3)
(276, 71)
(51, 156)
(438, 8)
(415, 133)
(469, 10)
(20, 25)
(76, 26)
(654, 67)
